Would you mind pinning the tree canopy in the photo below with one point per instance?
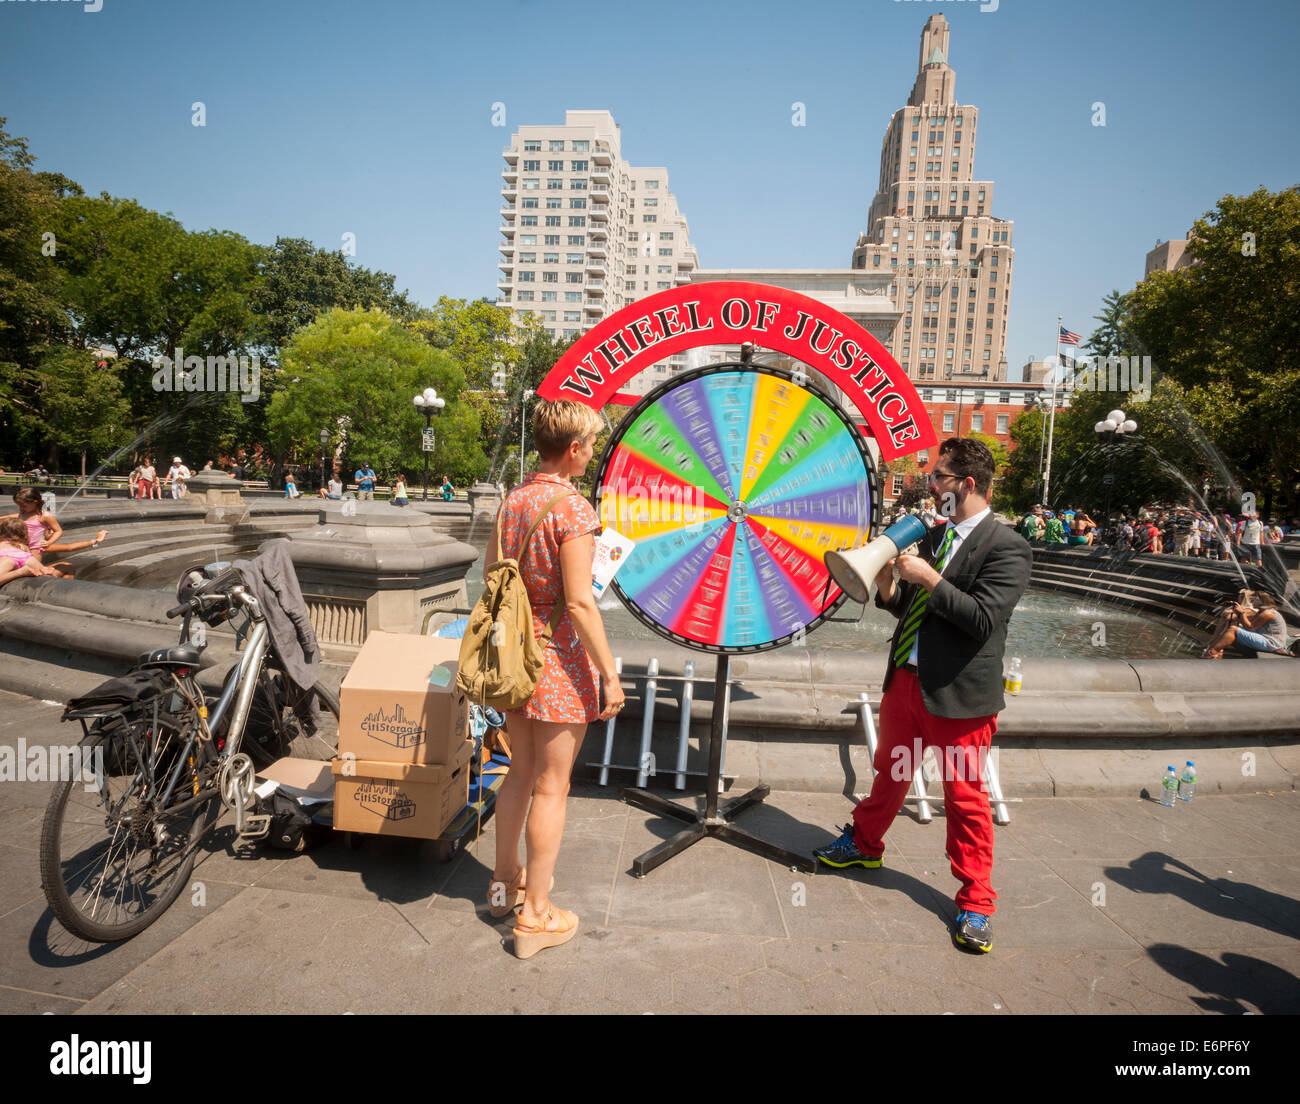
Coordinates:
(355, 372)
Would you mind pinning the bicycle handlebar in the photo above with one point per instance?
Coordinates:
(210, 590)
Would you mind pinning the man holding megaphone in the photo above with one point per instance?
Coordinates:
(943, 682)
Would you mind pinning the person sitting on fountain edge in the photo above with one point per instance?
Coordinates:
(943, 679)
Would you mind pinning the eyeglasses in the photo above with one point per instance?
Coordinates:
(936, 474)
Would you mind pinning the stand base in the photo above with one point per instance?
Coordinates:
(702, 826)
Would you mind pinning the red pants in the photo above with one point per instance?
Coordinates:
(960, 744)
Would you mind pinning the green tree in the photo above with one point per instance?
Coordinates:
(82, 408)
(480, 337)
(300, 282)
(356, 372)
(1112, 337)
(31, 311)
(1226, 330)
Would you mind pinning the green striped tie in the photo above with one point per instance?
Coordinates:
(916, 611)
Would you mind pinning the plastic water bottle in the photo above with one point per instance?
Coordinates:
(1169, 787)
(1187, 783)
(1013, 679)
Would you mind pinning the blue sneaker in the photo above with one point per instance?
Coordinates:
(844, 852)
(974, 930)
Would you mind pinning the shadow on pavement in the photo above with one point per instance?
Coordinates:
(1233, 983)
(1156, 872)
(50, 945)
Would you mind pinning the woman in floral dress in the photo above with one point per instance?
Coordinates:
(546, 734)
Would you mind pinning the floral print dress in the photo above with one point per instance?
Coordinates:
(569, 689)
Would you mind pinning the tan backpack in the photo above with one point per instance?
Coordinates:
(500, 659)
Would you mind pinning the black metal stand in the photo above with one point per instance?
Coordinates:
(715, 821)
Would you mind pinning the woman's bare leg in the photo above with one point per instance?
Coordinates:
(555, 749)
(513, 797)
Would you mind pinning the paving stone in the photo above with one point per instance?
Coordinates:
(39, 955)
(1036, 907)
(1155, 898)
(710, 887)
(23, 1003)
(20, 878)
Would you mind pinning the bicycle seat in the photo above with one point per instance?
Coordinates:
(179, 655)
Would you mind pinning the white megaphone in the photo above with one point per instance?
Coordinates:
(855, 570)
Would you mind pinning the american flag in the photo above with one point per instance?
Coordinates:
(1067, 338)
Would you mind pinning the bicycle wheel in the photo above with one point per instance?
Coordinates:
(111, 862)
(274, 731)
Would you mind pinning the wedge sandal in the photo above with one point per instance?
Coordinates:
(557, 929)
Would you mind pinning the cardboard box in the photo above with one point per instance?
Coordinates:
(399, 702)
(307, 779)
(417, 800)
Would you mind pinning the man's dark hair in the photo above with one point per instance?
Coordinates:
(972, 459)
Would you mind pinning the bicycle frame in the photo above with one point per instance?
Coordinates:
(240, 690)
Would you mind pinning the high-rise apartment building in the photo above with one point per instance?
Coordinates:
(931, 228)
(585, 232)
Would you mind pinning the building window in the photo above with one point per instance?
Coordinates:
(573, 258)
(1002, 424)
(977, 423)
(554, 184)
(947, 423)
(553, 202)
(527, 239)
(550, 239)
(573, 277)
(652, 184)
(581, 145)
(525, 296)
(577, 185)
(527, 277)
(577, 204)
(527, 258)
(532, 166)
(552, 220)
(530, 204)
(528, 220)
(550, 277)
(531, 184)
(577, 220)
(556, 145)
(577, 239)
(649, 218)
(533, 145)
(578, 166)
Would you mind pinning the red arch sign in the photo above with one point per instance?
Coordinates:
(602, 361)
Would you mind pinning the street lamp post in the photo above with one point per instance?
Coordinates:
(1115, 425)
(324, 443)
(428, 404)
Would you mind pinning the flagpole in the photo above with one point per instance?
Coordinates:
(1047, 474)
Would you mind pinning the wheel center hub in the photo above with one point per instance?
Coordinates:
(737, 512)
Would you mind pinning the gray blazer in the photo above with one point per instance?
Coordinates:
(964, 632)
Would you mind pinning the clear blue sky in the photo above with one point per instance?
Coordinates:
(374, 118)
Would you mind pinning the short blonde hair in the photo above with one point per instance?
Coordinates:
(558, 424)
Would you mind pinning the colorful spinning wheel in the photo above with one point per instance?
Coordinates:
(735, 481)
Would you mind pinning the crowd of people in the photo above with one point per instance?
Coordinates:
(1161, 530)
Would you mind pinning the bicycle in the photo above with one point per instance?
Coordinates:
(167, 761)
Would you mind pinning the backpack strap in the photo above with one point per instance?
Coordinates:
(558, 609)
